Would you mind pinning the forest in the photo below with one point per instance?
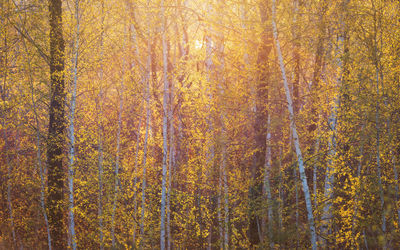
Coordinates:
(199, 124)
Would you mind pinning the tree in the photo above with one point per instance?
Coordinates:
(56, 137)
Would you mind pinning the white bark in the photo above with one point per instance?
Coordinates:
(71, 130)
(329, 174)
(171, 163)
(6, 153)
(226, 197)
(39, 167)
(9, 171)
(148, 79)
(211, 151)
(165, 127)
(266, 185)
(315, 170)
(135, 182)
(41, 173)
(117, 158)
(137, 145)
(377, 125)
(396, 185)
(294, 132)
(100, 134)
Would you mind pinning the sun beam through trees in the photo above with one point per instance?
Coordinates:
(186, 124)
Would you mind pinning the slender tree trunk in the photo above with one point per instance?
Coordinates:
(296, 141)
(315, 168)
(118, 153)
(358, 192)
(100, 134)
(137, 147)
(39, 166)
(281, 193)
(261, 110)
(326, 219)
(5, 138)
(56, 138)
(377, 122)
(329, 175)
(135, 181)
(210, 155)
(9, 189)
(148, 79)
(226, 196)
(267, 186)
(396, 178)
(71, 152)
(171, 158)
(165, 127)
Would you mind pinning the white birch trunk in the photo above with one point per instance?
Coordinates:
(136, 49)
(171, 162)
(266, 184)
(165, 127)
(315, 170)
(377, 124)
(329, 174)
(135, 182)
(396, 185)
(71, 130)
(39, 167)
(220, 230)
(117, 160)
(296, 141)
(100, 134)
(6, 153)
(357, 196)
(211, 151)
(41, 172)
(9, 171)
(148, 79)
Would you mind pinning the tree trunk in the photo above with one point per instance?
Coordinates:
(56, 139)
(5, 138)
(99, 107)
(296, 141)
(267, 186)
(255, 233)
(100, 133)
(118, 153)
(148, 79)
(39, 166)
(136, 54)
(71, 152)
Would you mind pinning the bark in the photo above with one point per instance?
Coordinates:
(9, 173)
(165, 127)
(56, 138)
(71, 153)
(5, 138)
(39, 166)
(267, 186)
(326, 219)
(100, 129)
(171, 159)
(135, 179)
(148, 79)
(118, 151)
(261, 115)
(226, 198)
(294, 132)
(396, 178)
(210, 155)
(378, 73)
